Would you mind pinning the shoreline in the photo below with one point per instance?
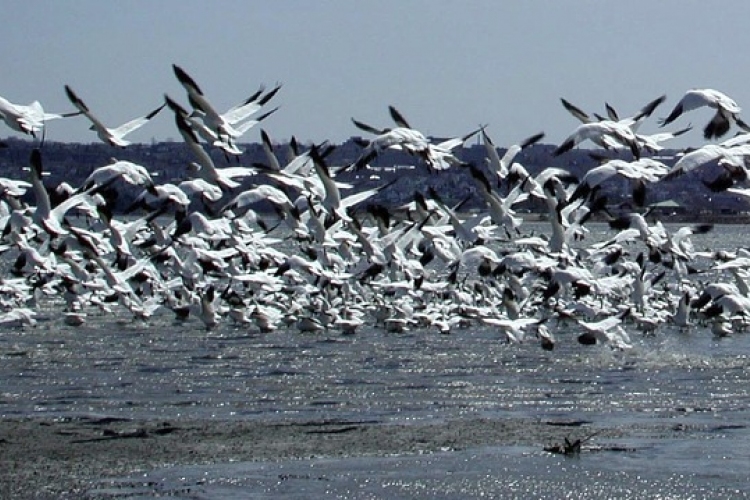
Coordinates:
(54, 458)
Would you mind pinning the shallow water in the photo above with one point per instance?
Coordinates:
(508, 472)
(160, 370)
(167, 370)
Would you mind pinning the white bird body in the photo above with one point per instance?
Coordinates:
(643, 170)
(130, 172)
(515, 330)
(223, 125)
(405, 138)
(732, 156)
(632, 122)
(609, 330)
(600, 133)
(681, 316)
(727, 111)
(501, 166)
(501, 210)
(29, 119)
(114, 136)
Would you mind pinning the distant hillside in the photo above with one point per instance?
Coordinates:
(168, 162)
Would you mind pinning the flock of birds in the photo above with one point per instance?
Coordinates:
(201, 250)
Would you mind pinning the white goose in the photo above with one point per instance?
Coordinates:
(502, 165)
(221, 124)
(51, 219)
(727, 111)
(633, 122)
(112, 136)
(29, 118)
(608, 330)
(205, 168)
(601, 133)
(405, 138)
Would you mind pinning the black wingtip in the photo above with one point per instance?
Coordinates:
(367, 128)
(174, 106)
(155, 112)
(651, 107)
(185, 79)
(254, 97)
(486, 138)
(398, 118)
(185, 127)
(620, 223)
(267, 114)
(532, 140)
(434, 194)
(677, 111)
(564, 147)
(717, 127)
(74, 98)
(723, 182)
(611, 112)
(263, 100)
(575, 110)
(266, 139)
(741, 123)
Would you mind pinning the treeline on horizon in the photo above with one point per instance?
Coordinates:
(168, 162)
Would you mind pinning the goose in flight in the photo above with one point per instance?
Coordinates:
(732, 158)
(502, 165)
(222, 124)
(500, 210)
(45, 216)
(640, 172)
(28, 119)
(112, 136)
(608, 330)
(649, 142)
(405, 138)
(205, 167)
(209, 135)
(632, 121)
(601, 133)
(727, 111)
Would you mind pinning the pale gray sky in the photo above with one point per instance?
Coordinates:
(446, 65)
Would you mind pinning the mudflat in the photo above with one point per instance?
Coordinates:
(63, 457)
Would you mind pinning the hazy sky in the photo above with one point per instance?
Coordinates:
(448, 66)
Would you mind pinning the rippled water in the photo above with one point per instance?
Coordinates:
(509, 472)
(162, 369)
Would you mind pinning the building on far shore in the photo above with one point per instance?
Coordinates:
(667, 208)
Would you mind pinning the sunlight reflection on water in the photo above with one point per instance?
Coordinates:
(162, 369)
